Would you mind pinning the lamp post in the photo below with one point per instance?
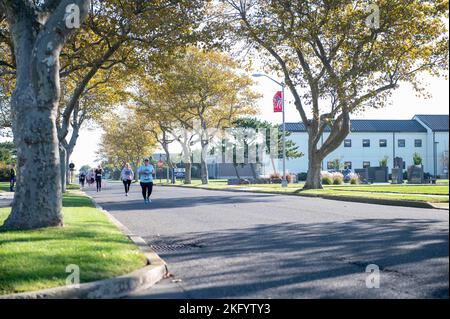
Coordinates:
(284, 182)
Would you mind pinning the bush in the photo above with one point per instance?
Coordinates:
(302, 176)
(417, 159)
(338, 178)
(275, 176)
(327, 178)
(354, 179)
(5, 170)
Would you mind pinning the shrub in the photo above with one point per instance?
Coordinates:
(302, 176)
(290, 179)
(354, 179)
(275, 176)
(338, 178)
(5, 170)
(327, 178)
(384, 161)
(417, 159)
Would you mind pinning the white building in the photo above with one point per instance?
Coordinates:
(372, 140)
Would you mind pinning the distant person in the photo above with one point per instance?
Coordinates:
(127, 176)
(91, 178)
(98, 178)
(145, 173)
(82, 179)
(12, 178)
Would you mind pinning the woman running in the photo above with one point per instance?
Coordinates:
(145, 173)
(127, 176)
(91, 177)
(82, 179)
(98, 178)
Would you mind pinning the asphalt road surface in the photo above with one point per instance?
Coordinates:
(221, 244)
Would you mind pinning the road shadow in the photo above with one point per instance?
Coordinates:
(295, 259)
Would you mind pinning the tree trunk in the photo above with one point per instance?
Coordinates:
(237, 172)
(314, 179)
(188, 178)
(63, 164)
(38, 200)
(252, 166)
(204, 164)
(68, 171)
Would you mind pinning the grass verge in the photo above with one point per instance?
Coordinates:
(416, 193)
(34, 260)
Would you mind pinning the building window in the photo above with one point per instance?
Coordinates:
(348, 165)
(383, 143)
(418, 143)
(330, 165)
(366, 143)
(348, 143)
(366, 164)
(401, 143)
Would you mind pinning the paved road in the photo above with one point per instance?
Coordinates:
(241, 245)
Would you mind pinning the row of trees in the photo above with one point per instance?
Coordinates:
(57, 73)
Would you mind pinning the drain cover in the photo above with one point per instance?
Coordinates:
(175, 247)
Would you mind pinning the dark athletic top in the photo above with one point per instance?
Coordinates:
(98, 174)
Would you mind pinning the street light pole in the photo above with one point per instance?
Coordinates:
(284, 182)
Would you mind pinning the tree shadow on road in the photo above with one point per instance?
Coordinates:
(313, 260)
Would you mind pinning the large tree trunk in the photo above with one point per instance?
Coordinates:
(34, 104)
(37, 201)
(188, 178)
(314, 179)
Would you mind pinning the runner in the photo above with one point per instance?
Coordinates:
(98, 178)
(145, 173)
(82, 179)
(127, 176)
(91, 177)
(12, 178)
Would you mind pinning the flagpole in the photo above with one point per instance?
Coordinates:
(284, 182)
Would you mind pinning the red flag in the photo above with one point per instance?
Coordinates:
(278, 102)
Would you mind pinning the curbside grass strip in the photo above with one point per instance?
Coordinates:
(113, 288)
(365, 200)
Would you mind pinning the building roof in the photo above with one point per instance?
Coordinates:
(370, 126)
(437, 123)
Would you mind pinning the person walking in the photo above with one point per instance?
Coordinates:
(82, 179)
(145, 173)
(127, 176)
(98, 178)
(12, 178)
(91, 178)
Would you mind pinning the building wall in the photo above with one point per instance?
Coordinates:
(357, 154)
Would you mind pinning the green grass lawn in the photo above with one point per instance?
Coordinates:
(34, 260)
(421, 193)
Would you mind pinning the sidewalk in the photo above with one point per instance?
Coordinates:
(6, 199)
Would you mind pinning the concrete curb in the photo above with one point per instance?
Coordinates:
(365, 200)
(117, 287)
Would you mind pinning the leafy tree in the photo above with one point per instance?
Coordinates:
(126, 140)
(292, 150)
(336, 60)
(8, 153)
(38, 32)
(206, 92)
